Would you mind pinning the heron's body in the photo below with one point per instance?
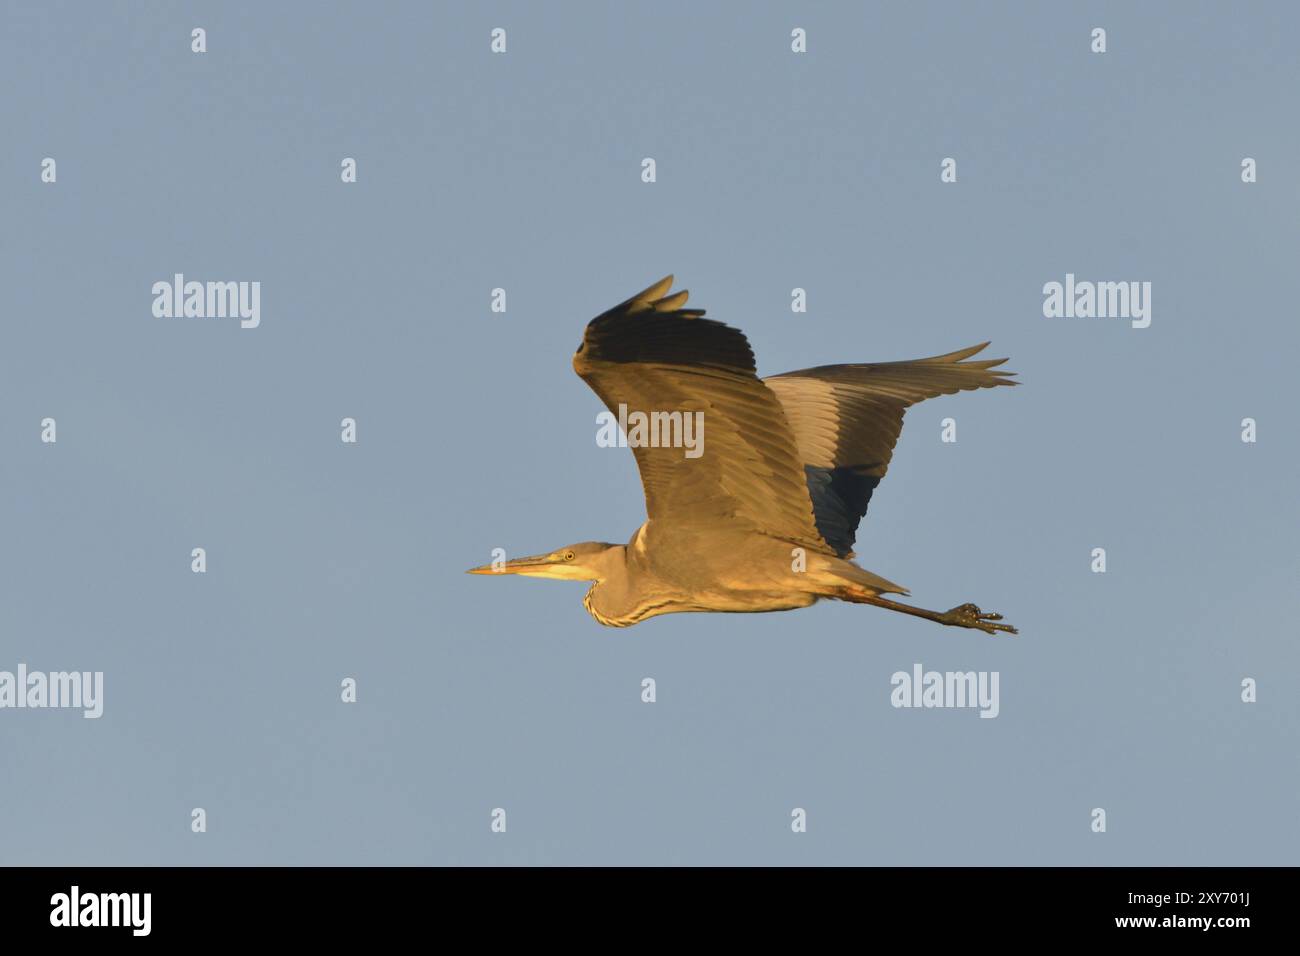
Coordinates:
(641, 586)
(764, 517)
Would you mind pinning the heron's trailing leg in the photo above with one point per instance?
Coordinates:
(964, 615)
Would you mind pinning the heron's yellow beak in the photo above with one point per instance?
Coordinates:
(536, 564)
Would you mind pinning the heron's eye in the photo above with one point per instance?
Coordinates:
(568, 555)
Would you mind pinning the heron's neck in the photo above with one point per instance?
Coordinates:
(612, 599)
(610, 565)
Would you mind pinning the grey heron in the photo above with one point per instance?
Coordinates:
(765, 518)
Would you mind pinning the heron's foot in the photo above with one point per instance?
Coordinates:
(968, 615)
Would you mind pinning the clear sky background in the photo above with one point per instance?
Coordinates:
(522, 171)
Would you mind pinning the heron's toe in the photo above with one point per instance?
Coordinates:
(969, 615)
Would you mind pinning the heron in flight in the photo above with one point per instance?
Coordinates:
(764, 517)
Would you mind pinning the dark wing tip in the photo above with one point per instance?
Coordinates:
(652, 328)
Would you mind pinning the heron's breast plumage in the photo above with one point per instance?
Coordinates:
(613, 613)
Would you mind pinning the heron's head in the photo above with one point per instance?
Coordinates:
(586, 561)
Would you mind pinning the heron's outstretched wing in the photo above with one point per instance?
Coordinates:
(650, 355)
(847, 418)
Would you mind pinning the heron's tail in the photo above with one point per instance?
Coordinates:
(842, 578)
